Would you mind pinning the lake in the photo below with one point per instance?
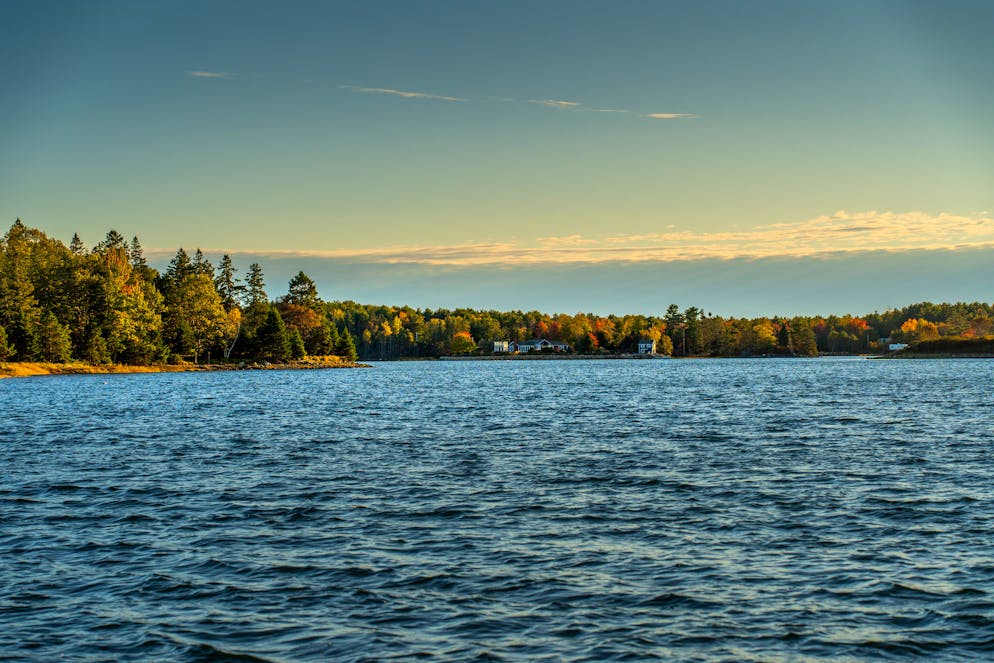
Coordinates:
(698, 510)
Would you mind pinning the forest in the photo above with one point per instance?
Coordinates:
(105, 304)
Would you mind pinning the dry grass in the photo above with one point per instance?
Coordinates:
(23, 369)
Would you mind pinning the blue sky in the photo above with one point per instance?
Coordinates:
(432, 153)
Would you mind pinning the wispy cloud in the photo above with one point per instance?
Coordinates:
(406, 94)
(836, 234)
(556, 103)
(201, 73)
(669, 116)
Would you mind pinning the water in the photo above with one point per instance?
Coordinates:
(696, 510)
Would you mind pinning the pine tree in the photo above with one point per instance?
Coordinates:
(227, 287)
(76, 245)
(803, 338)
(137, 256)
(255, 300)
(95, 349)
(322, 340)
(179, 267)
(113, 240)
(346, 346)
(22, 333)
(53, 340)
(202, 265)
(302, 292)
(297, 350)
(273, 340)
(255, 292)
(179, 337)
(6, 351)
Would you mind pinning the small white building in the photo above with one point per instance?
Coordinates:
(897, 346)
(502, 346)
(647, 347)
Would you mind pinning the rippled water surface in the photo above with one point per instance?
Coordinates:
(737, 510)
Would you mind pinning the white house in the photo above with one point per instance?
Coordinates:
(897, 346)
(647, 347)
(502, 346)
(537, 344)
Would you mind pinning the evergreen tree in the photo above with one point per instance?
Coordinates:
(346, 346)
(76, 245)
(179, 267)
(272, 340)
(302, 292)
(803, 338)
(255, 292)
(321, 340)
(202, 265)
(23, 336)
(137, 255)
(179, 337)
(114, 240)
(54, 344)
(227, 287)
(19, 310)
(6, 351)
(255, 299)
(95, 348)
(695, 341)
(297, 350)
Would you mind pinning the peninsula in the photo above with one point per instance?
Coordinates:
(73, 309)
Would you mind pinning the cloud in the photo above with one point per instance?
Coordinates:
(200, 73)
(401, 93)
(556, 103)
(842, 233)
(669, 116)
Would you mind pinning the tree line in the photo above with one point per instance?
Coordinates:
(106, 304)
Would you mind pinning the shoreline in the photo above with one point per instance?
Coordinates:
(26, 369)
(937, 355)
(544, 357)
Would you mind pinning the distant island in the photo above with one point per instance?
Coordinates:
(101, 307)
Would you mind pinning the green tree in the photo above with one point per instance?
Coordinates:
(113, 240)
(272, 339)
(76, 245)
(179, 267)
(53, 340)
(6, 351)
(302, 292)
(255, 299)
(202, 265)
(95, 349)
(197, 302)
(124, 303)
(137, 255)
(802, 338)
(694, 335)
(346, 346)
(227, 287)
(297, 349)
(322, 339)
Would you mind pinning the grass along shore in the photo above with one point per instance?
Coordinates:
(23, 369)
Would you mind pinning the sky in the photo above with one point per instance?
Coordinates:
(749, 158)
